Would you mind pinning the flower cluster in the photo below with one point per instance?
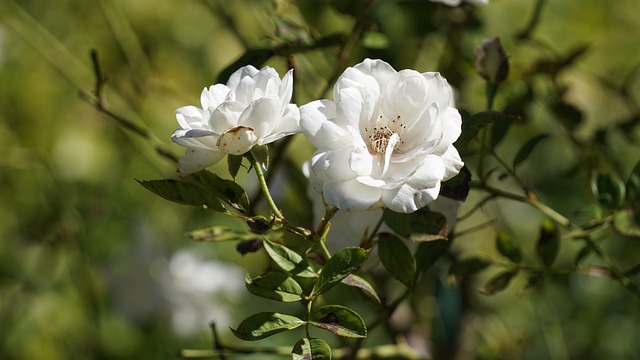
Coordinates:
(385, 140)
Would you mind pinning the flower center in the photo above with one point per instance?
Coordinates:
(380, 139)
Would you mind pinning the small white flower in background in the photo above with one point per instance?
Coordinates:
(386, 140)
(457, 2)
(491, 61)
(251, 109)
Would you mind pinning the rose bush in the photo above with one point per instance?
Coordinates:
(251, 109)
(386, 140)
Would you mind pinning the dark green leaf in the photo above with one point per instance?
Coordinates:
(343, 263)
(340, 320)
(422, 225)
(256, 57)
(471, 126)
(548, 242)
(249, 246)
(534, 280)
(183, 193)
(288, 259)
(396, 258)
(633, 185)
(468, 266)
(499, 282)
(457, 188)
(265, 324)
(608, 189)
(311, 349)
(275, 286)
(567, 114)
(259, 224)
(261, 154)
(500, 128)
(360, 283)
(234, 162)
(429, 252)
(226, 190)
(220, 233)
(583, 253)
(505, 246)
(527, 148)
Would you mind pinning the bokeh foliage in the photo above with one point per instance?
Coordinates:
(81, 238)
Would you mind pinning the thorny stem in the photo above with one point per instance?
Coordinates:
(263, 187)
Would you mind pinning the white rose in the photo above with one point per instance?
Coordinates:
(385, 140)
(251, 109)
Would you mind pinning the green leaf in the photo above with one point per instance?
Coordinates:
(583, 253)
(625, 223)
(548, 242)
(375, 40)
(265, 324)
(339, 320)
(288, 259)
(343, 263)
(183, 193)
(422, 225)
(499, 282)
(471, 126)
(234, 162)
(500, 128)
(506, 247)
(527, 148)
(608, 189)
(457, 188)
(311, 349)
(226, 190)
(633, 185)
(261, 154)
(360, 283)
(468, 266)
(275, 286)
(218, 233)
(534, 280)
(396, 258)
(429, 252)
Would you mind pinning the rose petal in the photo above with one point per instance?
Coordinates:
(262, 116)
(196, 159)
(351, 195)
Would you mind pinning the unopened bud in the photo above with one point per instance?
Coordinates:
(491, 61)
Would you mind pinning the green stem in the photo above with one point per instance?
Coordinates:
(263, 186)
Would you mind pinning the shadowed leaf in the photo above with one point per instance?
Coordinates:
(608, 189)
(506, 248)
(360, 283)
(275, 286)
(527, 148)
(288, 259)
(429, 252)
(183, 193)
(468, 266)
(422, 225)
(220, 233)
(548, 242)
(498, 282)
(226, 190)
(339, 320)
(396, 258)
(311, 349)
(457, 188)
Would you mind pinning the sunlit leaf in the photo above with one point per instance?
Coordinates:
(343, 263)
(457, 188)
(422, 225)
(548, 242)
(339, 320)
(499, 282)
(506, 247)
(375, 40)
(311, 349)
(265, 324)
(360, 283)
(608, 189)
(220, 233)
(396, 258)
(625, 223)
(468, 266)
(275, 286)
(288, 259)
(226, 190)
(429, 252)
(183, 193)
(527, 148)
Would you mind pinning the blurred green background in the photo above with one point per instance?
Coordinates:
(94, 266)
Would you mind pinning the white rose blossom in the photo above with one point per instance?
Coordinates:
(457, 2)
(251, 109)
(386, 140)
